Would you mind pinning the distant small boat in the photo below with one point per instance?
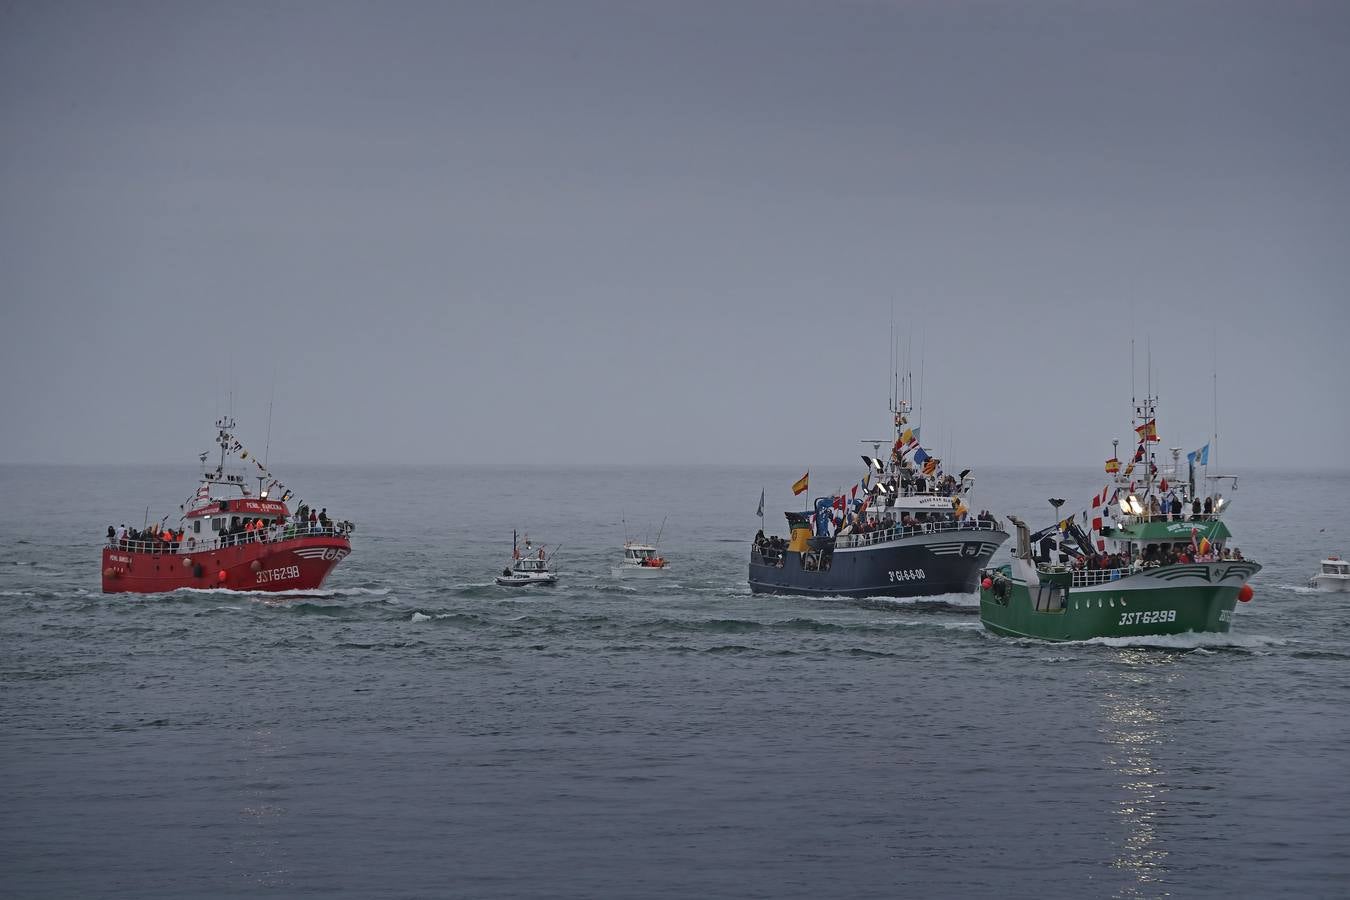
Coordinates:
(1333, 577)
(529, 565)
(640, 561)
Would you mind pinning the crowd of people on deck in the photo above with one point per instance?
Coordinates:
(1151, 557)
(242, 530)
(152, 538)
(1171, 508)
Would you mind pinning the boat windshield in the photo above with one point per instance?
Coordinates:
(1336, 568)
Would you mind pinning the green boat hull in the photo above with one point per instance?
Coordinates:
(1192, 597)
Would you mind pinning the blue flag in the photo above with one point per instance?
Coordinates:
(1199, 457)
(920, 456)
(760, 512)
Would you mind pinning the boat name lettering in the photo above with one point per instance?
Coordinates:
(1148, 617)
(115, 558)
(907, 575)
(266, 575)
(1225, 615)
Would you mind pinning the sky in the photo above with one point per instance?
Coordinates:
(595, 233)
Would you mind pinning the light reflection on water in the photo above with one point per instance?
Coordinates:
(1135, 717)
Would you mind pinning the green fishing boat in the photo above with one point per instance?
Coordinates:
(1152, 558)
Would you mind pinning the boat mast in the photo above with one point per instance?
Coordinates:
(1214, 375)
(1148, 413)
(224, 424)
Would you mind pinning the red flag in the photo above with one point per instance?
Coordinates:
(1097, 524)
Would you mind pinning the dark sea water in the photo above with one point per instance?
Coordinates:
(413, 730)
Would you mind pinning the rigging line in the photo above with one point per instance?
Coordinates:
(267, 448)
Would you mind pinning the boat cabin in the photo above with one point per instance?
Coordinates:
(1335, 566)
(639, 554)
(530, 564)
(223, 517)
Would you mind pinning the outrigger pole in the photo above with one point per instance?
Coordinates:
(661, 530)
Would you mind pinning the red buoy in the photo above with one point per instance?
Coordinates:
(987, 583)
(1246, 594)
(222, 575)
(108, 572)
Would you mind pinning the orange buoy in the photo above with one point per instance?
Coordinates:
(108, 572)
(987, 583)
(1246, 594)
(255, 565)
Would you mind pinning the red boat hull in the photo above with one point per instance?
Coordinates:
(301, 563)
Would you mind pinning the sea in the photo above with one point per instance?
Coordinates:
(414, 730)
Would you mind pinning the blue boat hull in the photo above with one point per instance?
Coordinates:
(918, 566)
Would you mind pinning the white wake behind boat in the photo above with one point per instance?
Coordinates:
(1334, 575)
(640, 561)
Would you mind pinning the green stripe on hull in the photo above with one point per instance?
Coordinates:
(1121, 609)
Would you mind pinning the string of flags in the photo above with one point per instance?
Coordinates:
(236, 447)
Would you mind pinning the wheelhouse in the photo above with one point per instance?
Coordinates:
(638, 554)
(1336, 567)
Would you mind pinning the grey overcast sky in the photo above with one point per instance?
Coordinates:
(671, 232)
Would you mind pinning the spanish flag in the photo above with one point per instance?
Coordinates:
(802, 484)
(930, 465)
(1148, 431)
(1113, 465)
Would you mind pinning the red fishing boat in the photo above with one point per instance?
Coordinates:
(229, 538)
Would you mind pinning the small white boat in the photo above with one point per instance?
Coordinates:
(528, 566)
(1334, 575)
(640, 561)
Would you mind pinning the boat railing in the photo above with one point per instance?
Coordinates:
(1090, 577)
(768, 554)
(869, 538)
(190, 544)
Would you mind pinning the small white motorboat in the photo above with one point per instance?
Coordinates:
(530, 566)
(1333, 576)
(640, 561)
